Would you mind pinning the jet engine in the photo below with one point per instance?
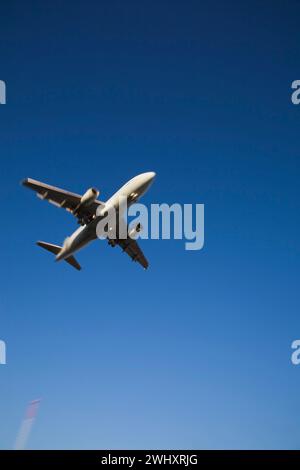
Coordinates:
(133, 232)
(89, 197)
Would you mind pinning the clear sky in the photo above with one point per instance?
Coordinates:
(195, 352)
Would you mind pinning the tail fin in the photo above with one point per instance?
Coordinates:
(55, 249)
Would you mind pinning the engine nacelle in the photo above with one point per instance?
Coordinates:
(89, 197)
(133, 232)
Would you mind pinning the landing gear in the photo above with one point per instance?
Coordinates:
(85, 220)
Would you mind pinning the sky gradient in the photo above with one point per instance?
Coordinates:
(195, 352)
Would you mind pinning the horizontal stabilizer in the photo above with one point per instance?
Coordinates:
(73, 262)
(50, 247)
(55, 249)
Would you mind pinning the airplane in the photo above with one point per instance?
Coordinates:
(89, 211)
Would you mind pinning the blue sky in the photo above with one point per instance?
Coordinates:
(195, 352)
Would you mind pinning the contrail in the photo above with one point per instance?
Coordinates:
(26, 425)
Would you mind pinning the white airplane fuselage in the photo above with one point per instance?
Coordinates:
(132, 191)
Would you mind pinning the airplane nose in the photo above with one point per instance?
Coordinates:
(149, 178)
(144, 181)
(150, 175)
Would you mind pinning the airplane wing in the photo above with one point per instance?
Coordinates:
(61, 198)
(131, 247)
